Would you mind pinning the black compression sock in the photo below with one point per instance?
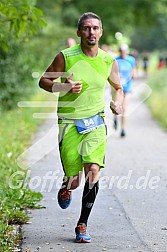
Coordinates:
(88, 199)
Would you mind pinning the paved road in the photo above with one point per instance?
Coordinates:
(129, 214)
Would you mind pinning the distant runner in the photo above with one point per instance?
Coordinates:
(127, 70)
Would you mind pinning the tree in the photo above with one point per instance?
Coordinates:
(125, 16)
(19, 21)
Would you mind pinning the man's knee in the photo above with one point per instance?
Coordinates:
(92, 173)
(74, 181)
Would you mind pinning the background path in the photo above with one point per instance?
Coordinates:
(129, 215)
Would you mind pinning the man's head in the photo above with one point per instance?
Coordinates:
(89, 28)
(124, 50)
(71, 42)
(88, 15)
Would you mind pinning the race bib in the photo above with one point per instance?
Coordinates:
(88, 124)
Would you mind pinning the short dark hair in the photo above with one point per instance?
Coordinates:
(88, 15)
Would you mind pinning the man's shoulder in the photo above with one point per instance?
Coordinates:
(71, 51)
(131, 56)
(131, 59)
(106, 56)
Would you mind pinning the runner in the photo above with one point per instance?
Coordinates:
(71, 42)
(82, 131)
(127, 70)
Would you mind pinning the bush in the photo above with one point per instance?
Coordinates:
(16, 76)
(20, 21)
(158, 102)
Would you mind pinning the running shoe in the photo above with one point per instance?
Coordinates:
(82, 235)
(64, 198)
(123, 134)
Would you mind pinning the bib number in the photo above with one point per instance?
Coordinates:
(88, 124)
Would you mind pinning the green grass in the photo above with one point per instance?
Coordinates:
(157, 101)
(17, 129)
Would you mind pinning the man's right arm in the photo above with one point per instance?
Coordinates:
(54, 71)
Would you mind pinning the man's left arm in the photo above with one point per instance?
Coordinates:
(114, 80)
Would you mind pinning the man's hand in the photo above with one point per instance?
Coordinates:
(76, 86)
(116, 107)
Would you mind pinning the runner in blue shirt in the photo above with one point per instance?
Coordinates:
(127, 70)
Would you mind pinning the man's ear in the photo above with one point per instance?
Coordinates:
(101, 33)
(78, 33)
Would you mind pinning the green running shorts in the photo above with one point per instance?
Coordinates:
(77, 149)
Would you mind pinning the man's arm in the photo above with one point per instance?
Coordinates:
(55, 70)
(114, 80)
(134, 70)
(134, 73)
(134, 67)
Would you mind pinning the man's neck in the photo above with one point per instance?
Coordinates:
(124, 56)
(90, 51)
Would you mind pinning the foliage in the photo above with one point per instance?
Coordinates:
(19, 20)
(139, 19)
(8, 237)
(16, 76)
(17, 128)
(145, 37)
(158, 102)
(52, 10)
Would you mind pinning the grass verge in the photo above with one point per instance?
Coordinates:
(17, 129)
(157, 101)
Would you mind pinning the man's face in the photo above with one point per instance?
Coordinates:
(90, 32)
(124, 53)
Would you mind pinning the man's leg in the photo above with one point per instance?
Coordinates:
(71, 162)
(90, 191)
(89, 195)
(64, 194)
(115, 123)
(124, 115)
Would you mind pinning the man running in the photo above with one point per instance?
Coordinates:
(127, 70)
(84, 70)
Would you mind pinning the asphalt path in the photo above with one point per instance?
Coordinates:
(130, 213)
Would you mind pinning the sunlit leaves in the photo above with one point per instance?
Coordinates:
(20, 20)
